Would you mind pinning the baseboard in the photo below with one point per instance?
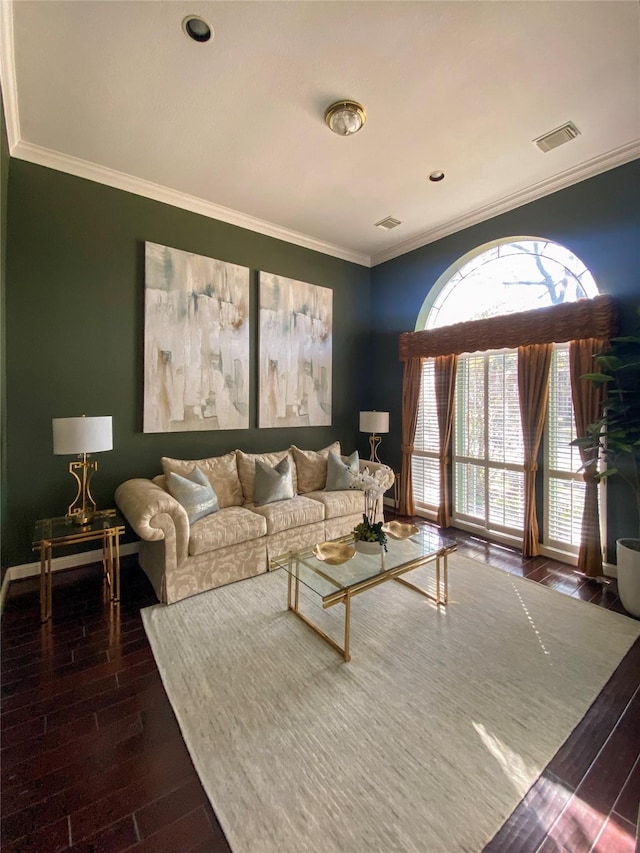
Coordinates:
(58, 564)
(71, 561)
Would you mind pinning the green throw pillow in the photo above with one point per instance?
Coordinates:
(341, 474)
(194, 492)
(273, 484)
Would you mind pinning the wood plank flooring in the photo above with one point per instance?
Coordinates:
(92, 758)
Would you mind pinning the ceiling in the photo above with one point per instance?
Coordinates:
(234, 128)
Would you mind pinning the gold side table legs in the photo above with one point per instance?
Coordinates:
(45, 581)
(110, 568)
(111, 562)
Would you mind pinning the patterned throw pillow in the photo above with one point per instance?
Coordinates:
(341, 474)
(194, 492)
(273, 484)
(221, 471)
(311, 466)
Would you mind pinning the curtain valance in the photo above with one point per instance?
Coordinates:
(586, 318)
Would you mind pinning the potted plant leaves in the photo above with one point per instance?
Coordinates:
(615, 439)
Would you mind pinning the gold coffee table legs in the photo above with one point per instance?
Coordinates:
(293, 604)
(344, 597)
(442, 583)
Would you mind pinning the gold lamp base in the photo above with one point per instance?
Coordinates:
(83, 508)
(374, 441)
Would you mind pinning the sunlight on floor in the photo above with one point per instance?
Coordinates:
(533, 624)
(512, 764)
(578, 823)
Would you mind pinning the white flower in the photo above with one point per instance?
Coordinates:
(369, 483)
(373, 487)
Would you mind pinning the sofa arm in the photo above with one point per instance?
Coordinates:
(385, 475)
(154, 515)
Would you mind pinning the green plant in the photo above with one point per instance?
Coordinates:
(614, 438)
(369, 531)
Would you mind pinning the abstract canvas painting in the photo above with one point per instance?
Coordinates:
(196, 358)
(295, 352)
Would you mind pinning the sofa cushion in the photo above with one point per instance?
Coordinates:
(339, 503)
(273, 483)
(341, 472)
(247, 470)
(311, 467)
(194, 493)
(221, 471)
(286, 515)
(230, 526)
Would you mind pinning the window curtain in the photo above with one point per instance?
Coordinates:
(411, 385)
(534, 363)
(445, 368)
(575, 322)
(588, 398)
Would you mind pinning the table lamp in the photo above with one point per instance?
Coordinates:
(80, 437)
(374, 423)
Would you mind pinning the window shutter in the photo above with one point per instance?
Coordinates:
(424, 462)
(564, 486)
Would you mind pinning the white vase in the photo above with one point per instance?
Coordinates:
(364, 547)
(628, 554)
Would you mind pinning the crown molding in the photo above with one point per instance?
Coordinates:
(588, 169)
(121, 181)
(8, 74)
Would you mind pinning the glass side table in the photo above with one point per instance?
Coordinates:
(106, 526)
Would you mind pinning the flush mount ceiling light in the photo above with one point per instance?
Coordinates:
(197, 28)
(436, 176)
(345, 117)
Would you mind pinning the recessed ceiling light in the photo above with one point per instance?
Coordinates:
(436, 176)
(197, 28)
(345, 117)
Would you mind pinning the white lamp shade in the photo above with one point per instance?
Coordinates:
(374, 422)
(72, 436)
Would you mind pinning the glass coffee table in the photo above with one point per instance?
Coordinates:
(338, 584)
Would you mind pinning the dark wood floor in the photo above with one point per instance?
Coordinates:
(92, 757)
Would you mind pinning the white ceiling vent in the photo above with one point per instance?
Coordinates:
(388, 223)
(557, 137)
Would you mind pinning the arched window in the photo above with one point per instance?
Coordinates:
(511, 275)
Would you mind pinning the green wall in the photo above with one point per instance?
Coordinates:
(4, 185)
(74, 291)
(74, 309)
(598, 219)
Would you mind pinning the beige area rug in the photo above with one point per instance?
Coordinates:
(425, 742)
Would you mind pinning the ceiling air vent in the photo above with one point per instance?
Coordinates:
(557, 137)
(388, 223)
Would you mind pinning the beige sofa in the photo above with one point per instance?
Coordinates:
(239, 540)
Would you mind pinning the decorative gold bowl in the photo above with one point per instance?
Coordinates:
(334, 553)
(399, 530)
